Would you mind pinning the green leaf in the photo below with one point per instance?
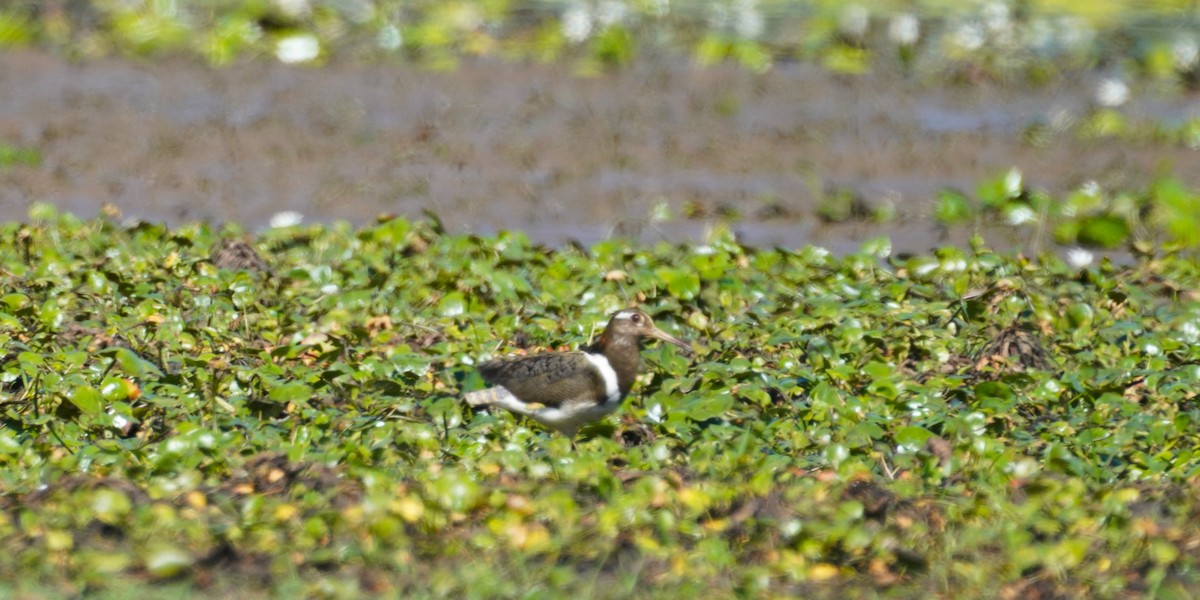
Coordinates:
(129, 361)
(952, 207)
(683, 284)
(166, 560)
(88, 399)
(913, 435)
(292, 391)
(1107, 231)
(708, 406)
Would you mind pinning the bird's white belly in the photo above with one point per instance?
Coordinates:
(567, 418)
(571, 417)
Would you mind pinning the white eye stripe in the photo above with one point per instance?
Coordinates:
(625, 314)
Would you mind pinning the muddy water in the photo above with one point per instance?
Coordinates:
(499, 146)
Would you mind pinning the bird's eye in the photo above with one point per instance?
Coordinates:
(636, 318)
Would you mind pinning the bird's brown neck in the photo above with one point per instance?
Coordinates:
(623, 355)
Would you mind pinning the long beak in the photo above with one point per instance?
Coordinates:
(666, 337)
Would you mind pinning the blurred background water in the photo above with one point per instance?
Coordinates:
(1038, 124)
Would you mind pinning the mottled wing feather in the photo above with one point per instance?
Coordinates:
(550, 379)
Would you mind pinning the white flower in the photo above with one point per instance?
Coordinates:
(905, 29)
(1190, 332)
(1079, 258)
(854, 20)
(1074, 32)
(1112, 92)
(968, 36)
(577, 23)
(610, 12)
(1012, 183)
(748, 21)
(790, 528)
(1185, 53)
(995, 17)
(287, 218)
(297, 48)
(1020, 215)
(390, 37)
(655, 413)
(1022, 469)
(293, 8)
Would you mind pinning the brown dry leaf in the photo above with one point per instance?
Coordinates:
(882, 573)
(940, 448)
(380, 323)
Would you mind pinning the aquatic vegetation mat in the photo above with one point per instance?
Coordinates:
(199, 410)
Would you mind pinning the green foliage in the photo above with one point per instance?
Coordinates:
(965, 42)
(12, 155)
(1178, 211)
(847, 424)
(952, 208)
(15, 29)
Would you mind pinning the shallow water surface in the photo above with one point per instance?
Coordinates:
(501, 146)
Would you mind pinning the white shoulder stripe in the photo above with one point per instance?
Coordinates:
(611, 389)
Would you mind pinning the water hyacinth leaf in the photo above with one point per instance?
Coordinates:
(1106, 231)
(1178, 211)
(825, 397)
(994, 391)
(31, 359)
(707, 406)
(454, 490)
(683, 284)
(87, 399)
(164, 560)
(129, 361)
(290, 391)
(110, 506)
(8, 442)
(453, 305)
(446, 412)
(51, 314)
(1080, 315)
(952, 207)
(393, 232)
(115, 389)
(15, 301)
(999, 190)
(913, 436)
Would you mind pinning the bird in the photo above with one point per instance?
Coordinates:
(567, 390)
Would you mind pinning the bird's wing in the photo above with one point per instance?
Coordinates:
(550, 379)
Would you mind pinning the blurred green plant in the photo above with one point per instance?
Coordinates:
(969, 42)
(15, 155)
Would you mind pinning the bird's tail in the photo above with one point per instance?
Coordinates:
(485, 397)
